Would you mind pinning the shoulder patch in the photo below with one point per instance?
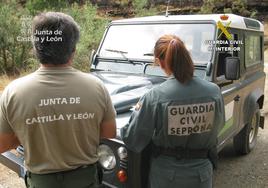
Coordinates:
(138, 106)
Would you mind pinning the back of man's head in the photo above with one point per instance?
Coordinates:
(55, 36)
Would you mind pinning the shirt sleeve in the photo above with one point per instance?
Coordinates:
(139, 131)
(4, 123)
(110, 112)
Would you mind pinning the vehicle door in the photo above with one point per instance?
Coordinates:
(230, 89)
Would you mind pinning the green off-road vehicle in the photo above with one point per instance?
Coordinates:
(226, 49)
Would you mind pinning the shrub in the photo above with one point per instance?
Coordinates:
(91, 26)
(91, 30)
(15, 55)
(36, 6)
(141, 8)
(220, 6)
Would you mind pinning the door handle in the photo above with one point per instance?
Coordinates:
(237, 98)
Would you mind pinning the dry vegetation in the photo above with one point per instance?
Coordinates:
(4, 80)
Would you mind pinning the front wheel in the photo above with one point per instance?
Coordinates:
(246, 139)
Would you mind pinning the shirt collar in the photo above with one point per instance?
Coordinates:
(42, 68)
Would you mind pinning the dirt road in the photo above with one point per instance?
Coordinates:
(250, 171)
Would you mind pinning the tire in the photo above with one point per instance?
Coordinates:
(246, 139)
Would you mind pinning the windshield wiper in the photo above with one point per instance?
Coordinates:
(116, 51)
(148, 54)
(122, 53)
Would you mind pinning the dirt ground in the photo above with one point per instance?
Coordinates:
(250, 171)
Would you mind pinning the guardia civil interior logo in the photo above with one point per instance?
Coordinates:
(224, 29)
(225, 42)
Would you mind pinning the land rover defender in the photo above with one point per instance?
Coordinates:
(226, 49)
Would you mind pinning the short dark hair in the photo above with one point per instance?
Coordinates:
(171, 50)
(59, 26)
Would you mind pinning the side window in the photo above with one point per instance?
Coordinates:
(253, 50)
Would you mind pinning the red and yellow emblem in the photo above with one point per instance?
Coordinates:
(137, 106)
(224, 28)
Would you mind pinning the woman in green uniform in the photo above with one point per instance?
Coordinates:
(181, 117)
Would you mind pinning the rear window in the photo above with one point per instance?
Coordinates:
(253, 49)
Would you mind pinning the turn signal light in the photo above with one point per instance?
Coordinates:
(122, 176)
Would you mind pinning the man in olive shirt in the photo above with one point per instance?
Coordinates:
(57, 113)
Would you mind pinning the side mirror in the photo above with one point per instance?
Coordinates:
(232, 68)
(92, 58)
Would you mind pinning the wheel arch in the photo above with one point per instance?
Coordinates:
(257, 96)
(260, 101)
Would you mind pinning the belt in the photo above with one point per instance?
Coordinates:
(28, 173)
(181, 153)
(60, 176)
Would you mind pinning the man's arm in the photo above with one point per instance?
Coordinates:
(8, 141)
(108, 129)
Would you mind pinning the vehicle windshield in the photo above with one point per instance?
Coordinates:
(136, 41)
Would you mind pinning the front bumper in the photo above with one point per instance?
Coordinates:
(14, 162)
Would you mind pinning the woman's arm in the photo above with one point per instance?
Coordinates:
(139, 131)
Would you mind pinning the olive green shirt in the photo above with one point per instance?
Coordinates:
(175, 115)
(56, 114)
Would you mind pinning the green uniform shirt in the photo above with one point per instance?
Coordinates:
(56, 114)
(177, 115)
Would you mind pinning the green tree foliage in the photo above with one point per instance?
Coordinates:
(240, 7)
(36, 6)
(231, 6)
(91, 30)
(139, 4)
(15, 55)
(91, 25)
(141, 8)
(121, 3)
(208, 6)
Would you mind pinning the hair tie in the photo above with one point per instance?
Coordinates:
(173, 41)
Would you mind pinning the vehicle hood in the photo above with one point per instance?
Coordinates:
(126, 89)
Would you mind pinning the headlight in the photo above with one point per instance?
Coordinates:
(122, 153)
(106, 157)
